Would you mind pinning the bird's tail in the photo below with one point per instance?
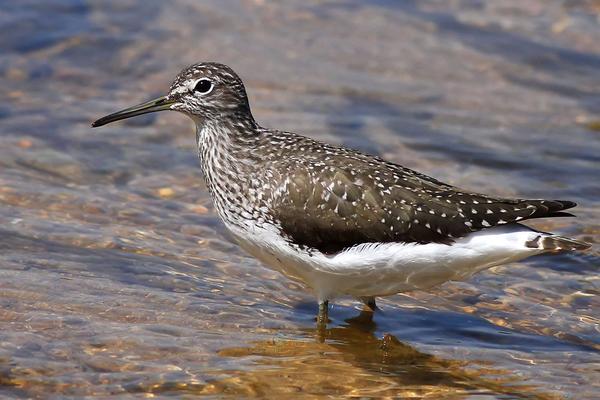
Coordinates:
(555, 243)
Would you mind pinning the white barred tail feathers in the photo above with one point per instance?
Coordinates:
(555, 243)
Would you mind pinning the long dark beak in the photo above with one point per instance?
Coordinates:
(159, 104)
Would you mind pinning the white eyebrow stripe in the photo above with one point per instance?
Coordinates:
(181, 89)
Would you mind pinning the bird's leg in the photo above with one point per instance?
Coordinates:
(370, 303)
(322, 318)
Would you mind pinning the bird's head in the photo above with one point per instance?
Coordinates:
(205, 91)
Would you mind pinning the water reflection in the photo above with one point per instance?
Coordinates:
(350, 360)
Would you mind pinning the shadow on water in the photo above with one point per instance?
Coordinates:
(435, 327)
(364, 365)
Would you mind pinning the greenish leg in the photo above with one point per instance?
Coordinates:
(322, 318)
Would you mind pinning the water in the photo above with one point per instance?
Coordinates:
(117, 278)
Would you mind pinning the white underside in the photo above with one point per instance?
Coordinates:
(379, 269)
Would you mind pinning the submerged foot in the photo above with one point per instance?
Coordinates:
(370, 304)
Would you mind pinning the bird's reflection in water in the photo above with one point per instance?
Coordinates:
(350, 360)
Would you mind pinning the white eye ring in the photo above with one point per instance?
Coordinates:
(203, 86)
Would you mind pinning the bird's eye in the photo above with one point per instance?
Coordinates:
(203, 86)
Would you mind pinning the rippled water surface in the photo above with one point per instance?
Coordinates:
(116, 277)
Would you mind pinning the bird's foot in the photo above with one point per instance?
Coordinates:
(370, 304)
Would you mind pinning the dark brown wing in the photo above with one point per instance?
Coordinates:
(349, 200)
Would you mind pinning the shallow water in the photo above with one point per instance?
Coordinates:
(116, 277)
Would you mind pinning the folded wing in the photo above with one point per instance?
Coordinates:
(346, 202)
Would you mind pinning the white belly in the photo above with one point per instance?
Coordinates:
(379, 269)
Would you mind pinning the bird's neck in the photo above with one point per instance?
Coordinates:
(225, 150)
(223, 141)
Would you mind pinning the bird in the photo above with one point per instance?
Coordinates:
(337, 220)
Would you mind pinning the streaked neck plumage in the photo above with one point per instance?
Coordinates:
(226, 149)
